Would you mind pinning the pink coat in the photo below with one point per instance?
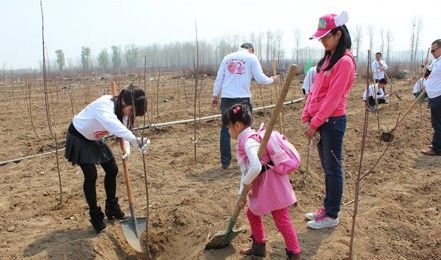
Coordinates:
(329, 92)
(270, 191)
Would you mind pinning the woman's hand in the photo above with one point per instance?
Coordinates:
(309, 132)
(305, 125)
(214, 103)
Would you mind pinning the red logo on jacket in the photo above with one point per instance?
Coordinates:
(100, 134)
(236, 66)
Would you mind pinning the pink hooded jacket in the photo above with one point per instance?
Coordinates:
(329, 92)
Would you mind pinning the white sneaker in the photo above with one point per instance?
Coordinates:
(314, 215)
(323, 222)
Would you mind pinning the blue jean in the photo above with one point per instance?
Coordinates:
(435, 112)
(225, 145)
(330, 151)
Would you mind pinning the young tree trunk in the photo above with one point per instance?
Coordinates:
(30, 107)
(46, 101)
(358, 179)
(196, 71)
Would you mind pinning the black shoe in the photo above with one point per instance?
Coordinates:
(113, 211)
(97, 219)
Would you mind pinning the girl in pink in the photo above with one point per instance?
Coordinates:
(325, 112)
(270, 192)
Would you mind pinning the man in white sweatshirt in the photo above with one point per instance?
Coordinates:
(379, 67)
(232, 86)
(433, 89)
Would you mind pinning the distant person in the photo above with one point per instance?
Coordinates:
(420, 85)
(379, 67)
(85, 147)
(375, 94)
(270, 192)
(232, 86)
(307, 82)
(325, 112)
(433, 89)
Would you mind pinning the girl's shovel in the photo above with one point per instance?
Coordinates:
(223, 238)
(132, 227)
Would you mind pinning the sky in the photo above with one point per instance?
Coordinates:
(98, 24)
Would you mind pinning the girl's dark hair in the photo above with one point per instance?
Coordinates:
(238, 113)
(344, 44)
(131, 95)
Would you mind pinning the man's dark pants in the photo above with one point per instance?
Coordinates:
(225, 146)
(435, 111)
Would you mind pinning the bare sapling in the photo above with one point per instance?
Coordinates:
(184, 86)
(422, 85)
(47, 106)
(262, 99)
(158, 83)
(28, 85)
(377, 111)
(359, 175)
(71, 95)
(145, 75)
(200, 93)
(178, 93)
(196, 71)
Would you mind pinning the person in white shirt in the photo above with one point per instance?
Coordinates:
(307, 82)
(433, 89)
(420, 85)
(375, 94)
(85, 146)
(379, 67)
(232, 86)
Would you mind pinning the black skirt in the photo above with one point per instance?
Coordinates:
(81, 150)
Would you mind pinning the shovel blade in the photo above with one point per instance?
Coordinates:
(222, 239)
(387, 137)
(132, 231)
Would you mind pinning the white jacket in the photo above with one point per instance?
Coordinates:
(98, 119)
(373, 89)
(235, 74)
(433, 83)
(419, 85)
(309, 79)
(376, 69)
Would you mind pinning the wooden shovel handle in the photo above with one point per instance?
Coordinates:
(411, 106)
(275, 115)
(125, 164)
(276, 112)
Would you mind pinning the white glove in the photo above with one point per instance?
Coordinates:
(126, 156)
(142, 144)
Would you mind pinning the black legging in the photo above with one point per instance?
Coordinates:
(89, 185)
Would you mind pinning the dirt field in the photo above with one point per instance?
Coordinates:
(399, 215)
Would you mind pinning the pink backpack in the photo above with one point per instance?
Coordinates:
(280, 155)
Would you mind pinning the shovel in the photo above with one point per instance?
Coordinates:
(223, 238)
(389, 136)
(133, 226)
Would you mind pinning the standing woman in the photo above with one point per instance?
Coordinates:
(325, 112)
(85, 147)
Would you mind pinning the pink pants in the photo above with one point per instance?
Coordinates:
(284, 225)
